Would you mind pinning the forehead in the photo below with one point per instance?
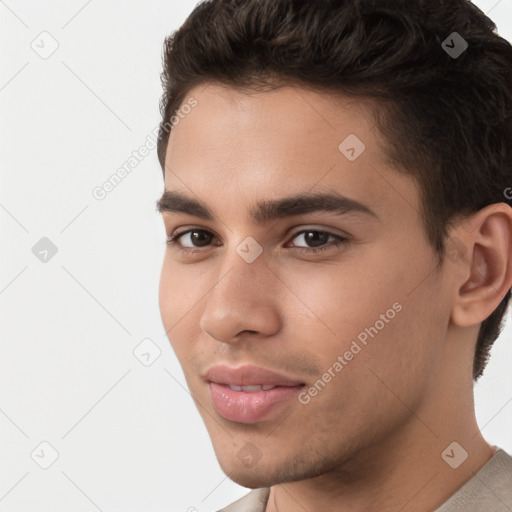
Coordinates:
(250, 146)
(281, 120)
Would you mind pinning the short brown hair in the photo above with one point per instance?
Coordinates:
(447, 120)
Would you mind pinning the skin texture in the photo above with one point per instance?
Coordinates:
(372, 438)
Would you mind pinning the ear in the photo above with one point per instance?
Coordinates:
(485, 272)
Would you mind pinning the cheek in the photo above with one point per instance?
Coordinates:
(342, 300)
(167, 296)
(177, 298)
(181, 289)
(370, 311)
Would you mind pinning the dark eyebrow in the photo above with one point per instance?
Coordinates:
(174, 201)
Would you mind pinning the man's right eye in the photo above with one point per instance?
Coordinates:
(200, 237)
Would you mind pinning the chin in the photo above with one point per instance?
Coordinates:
(261, 475)
(252, 478)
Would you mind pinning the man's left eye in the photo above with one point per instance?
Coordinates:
(322, 239)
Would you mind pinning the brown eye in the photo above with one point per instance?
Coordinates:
(318, 239)
(198, 238)
(315, 238)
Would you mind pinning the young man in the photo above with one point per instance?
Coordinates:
(337, 201)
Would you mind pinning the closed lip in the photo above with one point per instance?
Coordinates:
(249, 375)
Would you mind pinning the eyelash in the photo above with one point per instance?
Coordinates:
(339, 240)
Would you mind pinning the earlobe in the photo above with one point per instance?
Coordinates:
(488, 262)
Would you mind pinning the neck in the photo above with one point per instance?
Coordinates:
(408, 471)
(404, 477)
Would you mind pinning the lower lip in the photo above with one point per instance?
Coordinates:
(249, 406)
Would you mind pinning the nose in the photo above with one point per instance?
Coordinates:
(243, 300)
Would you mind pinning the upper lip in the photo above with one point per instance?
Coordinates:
(249, 375)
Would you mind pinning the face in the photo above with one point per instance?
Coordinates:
(341, 300)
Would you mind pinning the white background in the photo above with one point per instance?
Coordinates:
(129, 437)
